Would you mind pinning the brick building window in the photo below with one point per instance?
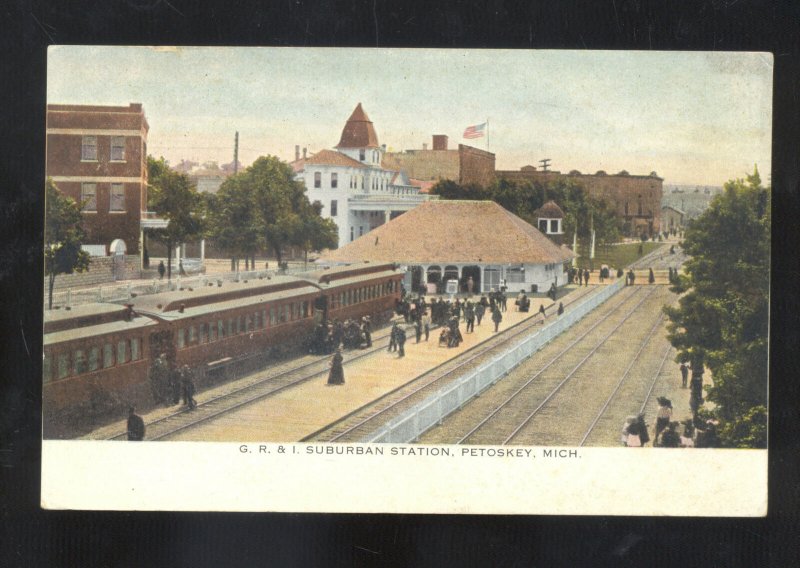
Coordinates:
(334, 180)
(117, 148)
(117, 197)
(89, 148)
(334, 208)
(89, 196)
(317, 180)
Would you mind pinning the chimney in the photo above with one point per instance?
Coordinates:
(304, 153)
(424, 145)
(181, 308)
(296, 152)
(440, 142)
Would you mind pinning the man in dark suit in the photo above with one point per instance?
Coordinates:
(135, 426)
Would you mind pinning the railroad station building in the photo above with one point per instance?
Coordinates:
(672, 218)
(98, 155)
(457, 240)
(351, 182)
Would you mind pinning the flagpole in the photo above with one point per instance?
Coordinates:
(487, 134)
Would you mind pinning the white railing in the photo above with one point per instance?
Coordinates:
(412, 423)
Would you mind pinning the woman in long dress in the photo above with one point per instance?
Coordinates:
(336, 375)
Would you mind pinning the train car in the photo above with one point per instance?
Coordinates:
(353, 291)
(95, 357)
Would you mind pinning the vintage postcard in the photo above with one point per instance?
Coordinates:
(438, 281)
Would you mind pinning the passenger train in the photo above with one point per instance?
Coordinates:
(98, 356)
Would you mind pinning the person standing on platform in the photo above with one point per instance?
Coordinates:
(580, 277)
(161, 270)
(663, 417)
(393, 338)
(135, 426)
(684, 375)
(470, 285)
(651, 278)
(480, 309)
(541, 311)
(586, 276)
(418, 329)
(632, 276)
(560, 308)
(401, 341)
(366, 329)
(426, 325)
(497, 317)
(503, 301)
(336, 374)
(469, 315)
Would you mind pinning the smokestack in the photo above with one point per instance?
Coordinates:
(297, 152)
(304, 153)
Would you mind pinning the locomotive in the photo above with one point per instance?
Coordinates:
(98, 356)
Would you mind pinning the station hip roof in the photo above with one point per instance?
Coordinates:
(443, 231)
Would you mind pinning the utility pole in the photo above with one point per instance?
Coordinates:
(545, 164)
(236, 154)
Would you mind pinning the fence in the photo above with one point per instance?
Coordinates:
(122, 292)
(416, 420)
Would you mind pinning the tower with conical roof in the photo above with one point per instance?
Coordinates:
(359, 140)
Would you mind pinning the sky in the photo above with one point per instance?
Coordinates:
(692, 117)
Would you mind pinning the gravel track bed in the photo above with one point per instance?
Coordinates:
(568, 414)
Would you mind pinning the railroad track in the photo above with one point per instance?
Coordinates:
(278, 379)
(354, 425)
(508, 419)
(262, 384)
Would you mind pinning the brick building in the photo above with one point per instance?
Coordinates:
(98, 155)
(635, 198)
(464, 165)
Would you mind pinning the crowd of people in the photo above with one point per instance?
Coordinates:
(170, 384)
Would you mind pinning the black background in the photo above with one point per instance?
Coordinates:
(30, 536)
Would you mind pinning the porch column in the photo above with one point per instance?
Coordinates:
(387, 215)
(483, 279)
(142, 245)
(202, 250)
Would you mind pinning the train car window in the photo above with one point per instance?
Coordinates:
(63, 365)
(295, 311)
(257, 320)
(212, 331)
(272, 318)
(238, 324)
(80, 361)
(122, 352)
(192, 334)
(248, 322)
(108, 355)
(264, 319)
(181, 338)
(46, 368)
(203, 333)
(230, 327)
(136, 351)
(220, 329)
(304, 309)
(94, 358)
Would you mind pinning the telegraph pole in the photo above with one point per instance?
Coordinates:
(545, 164)
(236, 154)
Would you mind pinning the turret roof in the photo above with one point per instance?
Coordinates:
(358, 132)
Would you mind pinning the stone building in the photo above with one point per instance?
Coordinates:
(672, 218)
(635, 198)
(458, 240)
(98, 155)
(464, 165)
(351, 182)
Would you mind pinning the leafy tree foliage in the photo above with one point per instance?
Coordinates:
(721, 321)
(174, 198)
(63, 235)
(264, 207)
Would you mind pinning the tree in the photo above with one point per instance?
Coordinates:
(317, 233)
(63, 235)
(283, 209)
(174, 198)
(721, 321)
(232, 218)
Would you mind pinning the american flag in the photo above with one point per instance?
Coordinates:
(476, 131)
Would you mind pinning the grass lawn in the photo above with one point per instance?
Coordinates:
(618, 256)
